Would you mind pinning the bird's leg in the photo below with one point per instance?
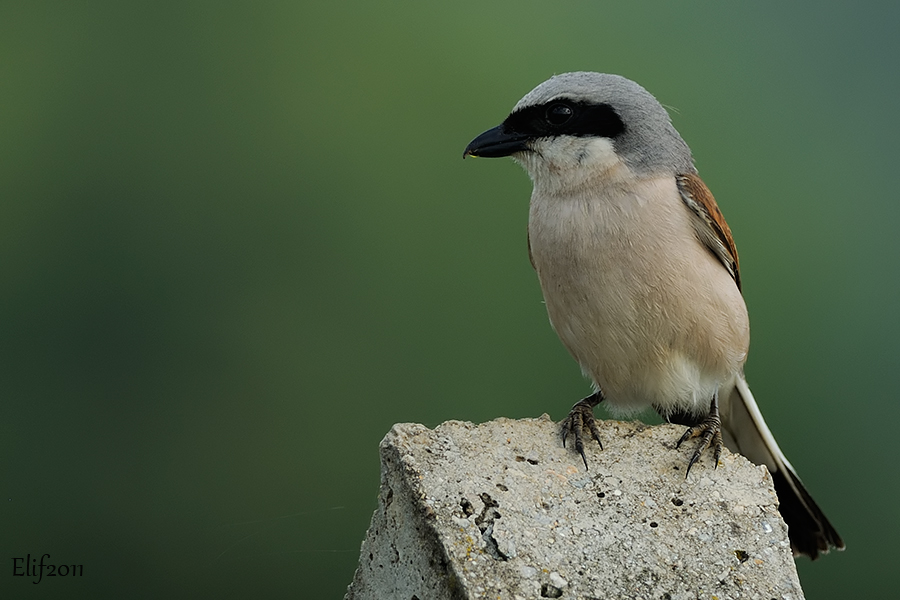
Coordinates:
(710, 432)
(582, 417)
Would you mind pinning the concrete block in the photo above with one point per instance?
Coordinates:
(502, 511)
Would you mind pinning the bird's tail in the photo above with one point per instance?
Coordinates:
(747, 433)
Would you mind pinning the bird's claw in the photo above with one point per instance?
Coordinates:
(709, 430)
(581, 417)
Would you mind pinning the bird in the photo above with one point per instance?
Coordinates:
(640, 275)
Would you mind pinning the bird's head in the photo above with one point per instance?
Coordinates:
(583, 125)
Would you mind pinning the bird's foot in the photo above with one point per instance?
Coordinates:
(709, 430)
(581, 417)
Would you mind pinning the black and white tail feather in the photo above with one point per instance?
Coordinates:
(745, 431)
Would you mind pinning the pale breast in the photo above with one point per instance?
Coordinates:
(648, 312)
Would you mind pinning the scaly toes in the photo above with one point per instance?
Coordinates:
(710, 434)
(581, 417)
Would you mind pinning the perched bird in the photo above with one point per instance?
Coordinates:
(640, 273)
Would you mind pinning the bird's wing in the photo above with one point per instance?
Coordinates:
(709, 223)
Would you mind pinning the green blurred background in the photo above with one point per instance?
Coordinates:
(238, 242)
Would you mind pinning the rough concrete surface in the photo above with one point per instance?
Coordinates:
(501, 510)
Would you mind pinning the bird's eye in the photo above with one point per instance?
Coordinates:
(559, 113)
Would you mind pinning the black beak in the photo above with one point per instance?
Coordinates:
(496, 142)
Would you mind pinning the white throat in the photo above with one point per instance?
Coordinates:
(568, 163)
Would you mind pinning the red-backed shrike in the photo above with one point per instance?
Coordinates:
(640, 273)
